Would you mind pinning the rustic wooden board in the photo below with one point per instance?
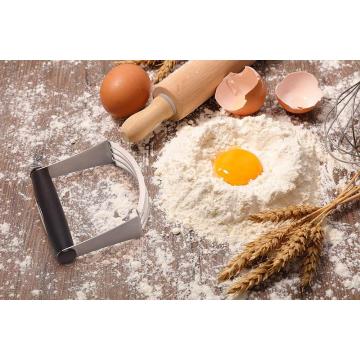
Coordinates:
(28, 269)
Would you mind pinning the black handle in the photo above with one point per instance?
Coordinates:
(52, 215)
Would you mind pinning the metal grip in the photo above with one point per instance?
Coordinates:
(52, 215)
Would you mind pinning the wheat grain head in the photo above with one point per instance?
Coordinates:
(290, 212)
(312, 256)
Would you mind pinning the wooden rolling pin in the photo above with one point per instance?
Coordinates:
(179, 94)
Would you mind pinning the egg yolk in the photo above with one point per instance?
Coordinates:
(237, 166)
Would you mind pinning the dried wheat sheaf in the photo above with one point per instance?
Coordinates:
(299, 238)
(163, 67)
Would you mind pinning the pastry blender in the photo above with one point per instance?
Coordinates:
(52, 213)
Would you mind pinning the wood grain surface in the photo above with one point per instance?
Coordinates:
(28, 269)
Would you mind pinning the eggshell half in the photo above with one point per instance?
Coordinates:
(298, 92)
(243, 93)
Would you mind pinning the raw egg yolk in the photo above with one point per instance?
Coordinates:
(237, 166)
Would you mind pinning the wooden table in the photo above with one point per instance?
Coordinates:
(160, 264)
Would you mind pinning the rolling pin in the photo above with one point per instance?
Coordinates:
(179, 94)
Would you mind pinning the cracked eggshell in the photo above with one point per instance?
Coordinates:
(243, 93)
(298, 92)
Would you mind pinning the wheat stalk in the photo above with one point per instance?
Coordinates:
(279, 247)
(270, 241)
(252, 278)
(290, 212)
(164, 66)
(164, 70)
(293, 247)
(312, 256)
(266, 241)
(145, 63)
(254, 250)
(234, 267)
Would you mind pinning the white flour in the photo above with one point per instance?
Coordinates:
(191, 195)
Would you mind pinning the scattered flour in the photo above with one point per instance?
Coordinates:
(342, 270)
(330, 65)
(196, 290)
(176, 230)
(25, 264)
(334, 235)
(36, 293)
(353, 283)
(4, 228)
(148, 291)
(86, 290)
(275, 296)
(329, 293)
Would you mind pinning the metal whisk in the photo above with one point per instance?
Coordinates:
(341, 127)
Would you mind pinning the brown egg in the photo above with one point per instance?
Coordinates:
(125, 90)
(243, 93)
(298, 92)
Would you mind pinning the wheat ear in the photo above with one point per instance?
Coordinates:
(145, 63)
(164, 70)
(295, 245)
(234, 267)
(290, 212)
(312, 256)
(253, 251)
(252, 278)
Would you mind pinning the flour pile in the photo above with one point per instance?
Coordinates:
(191, 195)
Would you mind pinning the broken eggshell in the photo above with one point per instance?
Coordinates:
(298, 92)
(243, 93)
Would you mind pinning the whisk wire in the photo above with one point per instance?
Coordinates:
(341, 127)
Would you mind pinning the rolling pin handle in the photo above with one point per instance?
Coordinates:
(52, 215)
(141, 124)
